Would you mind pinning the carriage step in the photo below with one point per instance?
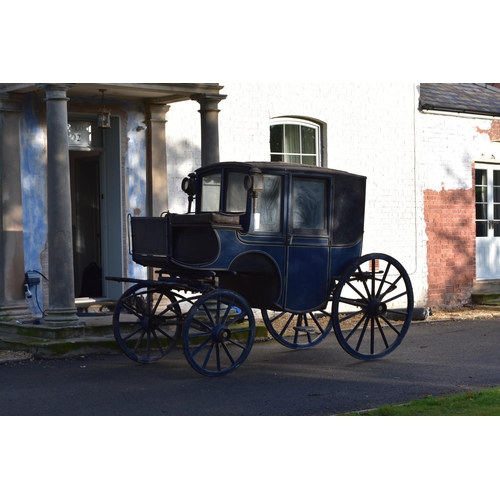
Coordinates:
(304, 329)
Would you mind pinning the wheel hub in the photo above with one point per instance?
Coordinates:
(221, 333)
(153, 322)
(376, 307)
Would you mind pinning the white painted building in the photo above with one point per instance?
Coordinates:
(422, 147)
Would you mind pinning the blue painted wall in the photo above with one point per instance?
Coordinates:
(34, 174)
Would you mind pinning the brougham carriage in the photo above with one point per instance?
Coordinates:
(281, 238)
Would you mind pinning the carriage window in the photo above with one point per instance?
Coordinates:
(268, 216)
(309, 198)
(210, 194)
(236, 193)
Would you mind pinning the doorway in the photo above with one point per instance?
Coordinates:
(487, 221)
(86, 222)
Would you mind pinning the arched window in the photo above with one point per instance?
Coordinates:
(295, 140)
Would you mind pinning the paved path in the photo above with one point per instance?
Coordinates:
(436, 358)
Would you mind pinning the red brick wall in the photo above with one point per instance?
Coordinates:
(451, 246)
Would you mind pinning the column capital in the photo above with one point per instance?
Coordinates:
(156, 112)
(208, 102)
(55, 90)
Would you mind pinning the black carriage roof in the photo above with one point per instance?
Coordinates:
(275, 165)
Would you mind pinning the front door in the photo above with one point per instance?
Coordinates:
(487, 221)
(86, 217)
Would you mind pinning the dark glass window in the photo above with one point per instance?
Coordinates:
(309, 204)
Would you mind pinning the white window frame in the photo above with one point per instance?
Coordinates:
(285, 120)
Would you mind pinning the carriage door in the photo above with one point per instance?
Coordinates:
(487, 221)
(307, 272)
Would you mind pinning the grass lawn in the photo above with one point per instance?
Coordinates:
(482, 403)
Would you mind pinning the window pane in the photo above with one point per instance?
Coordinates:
(481, 194)
(210, 194)
(309, 160)
(309, 204)
(277, 158)
(269, 205)
(496, 229)
(481, 177)
(481, 229)
(292, 139)
(236, 192)
(496, 177)
(496, 211)
(292, 158)
(481, 211)
(276, 139)
(308, 141)
(496, 194)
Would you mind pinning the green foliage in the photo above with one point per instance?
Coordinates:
(483, 403)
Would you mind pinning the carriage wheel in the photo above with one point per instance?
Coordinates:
(147, 322)
(218, 333)
(372, 306)
(298, 330)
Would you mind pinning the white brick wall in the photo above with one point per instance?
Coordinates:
(371, 130)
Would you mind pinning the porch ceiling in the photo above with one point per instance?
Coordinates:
(154, 92)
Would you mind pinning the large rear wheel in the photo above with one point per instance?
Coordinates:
(372, 306)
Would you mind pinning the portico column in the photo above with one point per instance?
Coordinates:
(61, 310)
(209, 126)
(157, 181)
(12, 301)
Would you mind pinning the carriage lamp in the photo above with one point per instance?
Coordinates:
(254, 184)
(189, 187)
(104, 116)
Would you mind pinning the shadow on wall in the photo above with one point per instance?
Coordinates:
(183, 157)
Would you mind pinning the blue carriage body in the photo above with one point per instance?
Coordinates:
(278, 234)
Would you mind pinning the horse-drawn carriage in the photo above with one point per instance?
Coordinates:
(283, 239)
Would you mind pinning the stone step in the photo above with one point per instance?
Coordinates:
(486, 292)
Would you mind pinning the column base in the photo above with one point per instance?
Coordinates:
(12, 311)
(62, 317)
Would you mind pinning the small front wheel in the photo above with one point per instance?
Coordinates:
(147, 322)
(218, 333)
(372, 306)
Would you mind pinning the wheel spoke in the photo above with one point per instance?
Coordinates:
(226, 350)
(207, 357)
(362, 334)
(382, 333)
(384, 277)
(390, 324)
(348, 336)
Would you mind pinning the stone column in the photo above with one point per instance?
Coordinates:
(157, 182)
(12, 301)
(209, 126)
(61, 310)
